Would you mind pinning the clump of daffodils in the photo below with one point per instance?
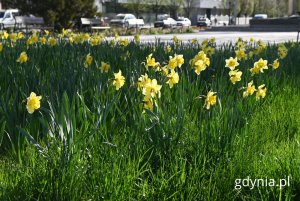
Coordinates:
(176, 61)
(208, 46)
(200, 62)
(259, 66)
(33, 102)
(150, 89)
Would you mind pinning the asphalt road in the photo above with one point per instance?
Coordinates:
(223, 37)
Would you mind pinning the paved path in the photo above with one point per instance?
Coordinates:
(221, 37)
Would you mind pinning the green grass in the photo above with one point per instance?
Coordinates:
(91, 142)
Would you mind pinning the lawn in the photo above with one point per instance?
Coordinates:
(85, 118)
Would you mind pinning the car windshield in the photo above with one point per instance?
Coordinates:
(120, 17)
(180, 20)
(1, 14)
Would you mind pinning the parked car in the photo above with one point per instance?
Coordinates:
(203, 22)
(160, 20)
(183, 21)
(260, 16)
(127, 20)
(170, 22)
(7, 17)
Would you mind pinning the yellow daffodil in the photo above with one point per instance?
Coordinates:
(65, 32)
(240, 54)
(46, 32)
(204, 43)
(123, 42)
(175, 39)
(152, 89)
(5, 35)
(116, 36)
(180, 60)
(282, 51)
(259, 66)
(88, 60)
(195, 41)
(104, 67)
(168, 49)
(71, 39)
(86, 37)
(119, 80)
(137, 39)
(172, 62)
(33, 102)
(142, 81)
(13, 37)
(23, 58)
(94, 41)
(43, 40)
(275, 64)
(235, 76)
(261, 44)
(52, 41)
(150, 62)
(199, 67)
(211, 99)
(231, 63)
(165, 70)
(250, 89)
(20, 35)
(240, 45)
(148, 103)
(209, 51)
(200, 62)
(173, 78)
(34, 38)
(261, 92)
(201, 56)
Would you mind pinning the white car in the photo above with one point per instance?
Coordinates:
(260, 16)
(127, 20)
(184, 22)
(7, 17)
(169, 22)
(203, 22)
